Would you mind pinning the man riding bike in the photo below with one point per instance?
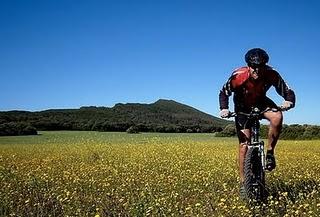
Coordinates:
(249, 85)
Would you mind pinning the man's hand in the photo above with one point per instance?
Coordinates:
(224, 113)
(286, 105)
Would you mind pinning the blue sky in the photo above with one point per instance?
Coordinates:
(71, 53)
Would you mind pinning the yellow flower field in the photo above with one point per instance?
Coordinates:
(148, 174)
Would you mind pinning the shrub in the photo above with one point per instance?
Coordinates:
(132, 129)
(16, 129)
(229, 130)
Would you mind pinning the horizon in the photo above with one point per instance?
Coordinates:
(70, 54)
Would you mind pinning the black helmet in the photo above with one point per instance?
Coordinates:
(256, 57)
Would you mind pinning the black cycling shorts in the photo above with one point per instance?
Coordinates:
(243, 122)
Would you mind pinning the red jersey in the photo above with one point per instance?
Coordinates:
(251, 92)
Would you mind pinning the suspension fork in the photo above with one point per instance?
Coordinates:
(255, 132)
(255, 141)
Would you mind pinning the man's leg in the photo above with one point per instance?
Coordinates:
(244, 139)
(244, 133)
(275, 119)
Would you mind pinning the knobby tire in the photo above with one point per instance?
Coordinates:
(254, 177)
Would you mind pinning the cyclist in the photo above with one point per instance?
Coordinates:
(249, 85)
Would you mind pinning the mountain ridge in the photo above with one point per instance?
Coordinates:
(162, 115)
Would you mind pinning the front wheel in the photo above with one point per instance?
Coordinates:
(254, 176)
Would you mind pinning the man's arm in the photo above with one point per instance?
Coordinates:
(224, 94)
(283, 89)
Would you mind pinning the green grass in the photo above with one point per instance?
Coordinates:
(117, 174)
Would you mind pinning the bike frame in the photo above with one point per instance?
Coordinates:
(255, 186)
(255, 135)
(256, 115)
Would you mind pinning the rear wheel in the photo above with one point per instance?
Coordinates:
(254, 178)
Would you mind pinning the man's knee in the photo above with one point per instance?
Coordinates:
(243, 147)
(278, 116)
(243, 136)
(275, 118)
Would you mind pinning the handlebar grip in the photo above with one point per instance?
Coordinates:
(232, 114)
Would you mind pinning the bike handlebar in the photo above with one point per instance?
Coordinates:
(255, 112)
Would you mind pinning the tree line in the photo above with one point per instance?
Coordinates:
(30, 128)
(288, 132)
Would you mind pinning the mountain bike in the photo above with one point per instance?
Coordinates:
(254, 163)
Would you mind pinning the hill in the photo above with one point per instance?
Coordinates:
(160, 116)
